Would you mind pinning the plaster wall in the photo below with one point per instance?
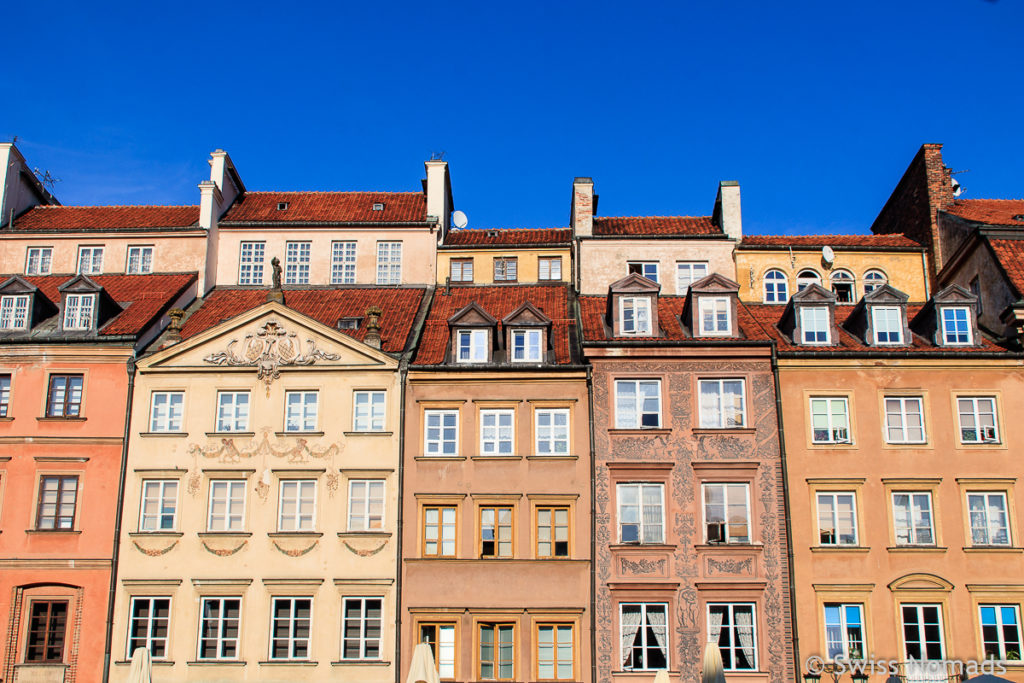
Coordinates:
(172, 253)
(483, 263)
(996, 294)
(604, 261)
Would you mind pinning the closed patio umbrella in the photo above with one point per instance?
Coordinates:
(713, 670)
(661, 676)
(142, 667)
(422, 669)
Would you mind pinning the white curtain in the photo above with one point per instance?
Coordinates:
(745, 629)
(656, 619)
(630, 627)
(715, 626)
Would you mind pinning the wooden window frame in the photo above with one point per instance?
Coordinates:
(555, 643)
(504, 262)
(550, 260)
(440, 507)
(462, 263)
(495, 626)
(65, 403)
(496, 508)
(437, 624)
(57, 512)
(47, 632)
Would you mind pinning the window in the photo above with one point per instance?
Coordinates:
(495, 531)
(555, 652)
(641, 513)
(369, 411)
(552, 532)
(233, 411)
(441, 639)
(496, 432)
(227, 505)
(714, 316)
(635, 315)
(301, 411)
(805, 278)
(956, 326)
(219, 624)
(526, 346)
(39, 261)
(296, 270)
(887, 324)
(1000, 632)
(904, 419)
(732, 626)
(727, 513)
(776, 287)
(47, 626)
(722, 404)
(64, 397)
(648, 269)
(505, 269)
(912, 516)
(58, 496)
(361, 628)
(472, 346)
(389, 263)
(873, 279)
(977, 420)
(688, 272)
(140, 260)
(165, 411)
(78, 310)
(844, 631)
(297, 505)
(989, 522)
(366, 505)
(250, 263)
(14, 312)
(290, 631)
(837, 518)
(159, 508)
(497, 652)
(441, 432)
(462, 270)
(439, 531)
(842, 286)
(830, 420)
(552, 431)
(343, 263)
(922, 632)
(149, 625)
(549, 268)
(5, 395)
(637, 404)
(814, 325)
(975, 286)
(643, 630)
(90, 260)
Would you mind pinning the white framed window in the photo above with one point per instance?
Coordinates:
(441, 638)
(549, 268)
(635, 315)
(837, 518)
(497, 432)
(78, 311)
(14, 312)
(361, 628)
(842, 286)
(649, 269)
(90, 260)
(904, 419)
(140, 260)
(369, 411)
(912, 517)
(291, 627)
(990, 524)
(814, 325)
(296, 510)
(526, 346)
(641, 510)
(688, 272)
(873, 279)
(250, 263)
(461, 269)
(643, 632)
(552, 431)
(506, 269)
(389, 263)
(733, 627)
(149, 625)
(232, 411)
(807, 277)
(441, 432)
(220, 622)
(776, 287)
(366, 505)
(726, 512)
(715, 316)
(956, 326)
(922, 634)
(5, 395)
(830, 420)
(301, 411)
(722, 403)
(844, 631)
(472, 346)
(296, 267)
(227, 505)
(38, 261)
(159, 509)
(637, 403)
(887, 322)
(343, 263)
(977, 419)
(1000, 632)
(166, 409)
(554, 652)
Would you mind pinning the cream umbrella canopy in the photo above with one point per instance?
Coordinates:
(422, 669)
(142, 667)
(713, 671)
(661, 676)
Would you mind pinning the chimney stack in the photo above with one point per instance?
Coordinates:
(582, 218)
(727, 214)
(372, 337)
(439, 193)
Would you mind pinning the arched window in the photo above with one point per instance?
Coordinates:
(805, 278)
(842, 285)
(873, 279)
(776, 287)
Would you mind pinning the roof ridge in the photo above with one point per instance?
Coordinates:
(984, 199)
(598, 218)
(563, 227)
(412, 192)
(116, 206)
(835, 234)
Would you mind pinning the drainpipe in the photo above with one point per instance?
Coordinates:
(924, 269)
(403, 369)
(593, 531)
(117, 521)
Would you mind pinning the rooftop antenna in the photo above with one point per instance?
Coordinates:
(46, 178)
(437, 156)
(958, 189)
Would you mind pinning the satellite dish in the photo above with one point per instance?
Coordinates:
(827, 255)
(459, 219)
(957, 188)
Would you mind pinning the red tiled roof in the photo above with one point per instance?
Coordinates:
(994, 211)
(594, 308)
(498, 301)
(73, 218)
(508, 237)
(1011, 256)
(336, 207)
(656, 225)
(398, 306)
(818, 241)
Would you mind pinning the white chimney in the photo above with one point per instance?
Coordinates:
(21, 189)
(582, 217)
(224, 174)
(439, 193)
(727, 209)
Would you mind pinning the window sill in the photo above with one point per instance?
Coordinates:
(840, 549)
(287, 433)
(155, 534)
(6, 419)
(230, 434)
(361, 662)
(652, 431)
(367, 433)
(364, 534)
(44, 532)
(60, 419)
(723, 430)
(288, 662)
(295, 534)
(736, 546)
(224, 534)
(993, 549)
(552, 457)
(217, 662)
(154, 662)
(642, 546)
(439, 457)
(495, 457)
(165, 434)
(917, 549)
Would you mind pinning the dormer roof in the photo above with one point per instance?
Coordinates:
(526, 315)
(714, 283)
(634, 282)
(472, 315)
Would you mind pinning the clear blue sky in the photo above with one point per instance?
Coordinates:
(815, 107)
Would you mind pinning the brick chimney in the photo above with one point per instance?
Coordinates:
(727, 214)
(372, 337)
(582, 215)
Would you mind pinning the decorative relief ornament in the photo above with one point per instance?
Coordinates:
(225, 450)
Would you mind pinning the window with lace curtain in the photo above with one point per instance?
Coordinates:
(732, 626)
(641, 513)
(643, 632)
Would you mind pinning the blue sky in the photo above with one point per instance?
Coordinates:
(815, 107)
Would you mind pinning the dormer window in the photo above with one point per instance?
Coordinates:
(14, 312)
(526, 346)
(282, 206)
(887, 323)
(79, 310)
(956, 325)
(714, 316)
(472, 346)
(815, 325)
(378, 206)
(635, 315)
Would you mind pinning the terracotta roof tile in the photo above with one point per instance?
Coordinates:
(670, 308)
(818, 241)
(339, 207)
(994, 211)
(74, 218)
(1011, 257)
(655, 225)
(508, 237)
